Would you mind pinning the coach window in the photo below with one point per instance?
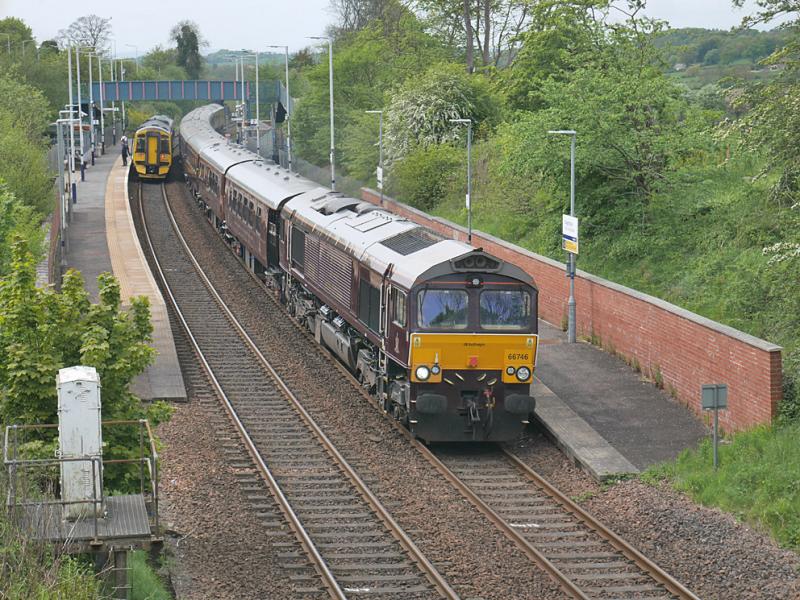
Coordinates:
(399, 307)
(251, 214)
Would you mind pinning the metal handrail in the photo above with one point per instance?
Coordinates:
(12, 462)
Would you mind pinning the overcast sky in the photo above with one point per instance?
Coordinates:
(254, 24)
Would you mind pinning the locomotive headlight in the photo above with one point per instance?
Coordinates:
(523, 373)
(422, 373)
(436, 369)
(510, 371)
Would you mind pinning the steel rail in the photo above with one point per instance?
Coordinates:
(430, 571)
(320, 566)
(660, 576)
(671, 584)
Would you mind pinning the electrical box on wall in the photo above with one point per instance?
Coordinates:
(80, 437)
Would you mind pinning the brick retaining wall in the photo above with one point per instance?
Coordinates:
(672, 345)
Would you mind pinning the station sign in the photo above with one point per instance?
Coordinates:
(379, 176)
(715, 396)
(569, 233)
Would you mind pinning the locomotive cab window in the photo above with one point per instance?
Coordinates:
(369, 305)
(165, 145)
(140, 145)
(505, 309)
(442, 309)
(398, 307)
(298, 248)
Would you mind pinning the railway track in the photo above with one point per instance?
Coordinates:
(584, 556)
(579, 553)
(347, 536)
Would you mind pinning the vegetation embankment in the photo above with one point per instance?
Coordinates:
(687, 191)
(42, 330)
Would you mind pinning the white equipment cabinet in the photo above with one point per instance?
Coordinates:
(80, 436)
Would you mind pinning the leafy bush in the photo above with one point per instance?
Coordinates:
(420, 112)
(42, 331)
(425, 176)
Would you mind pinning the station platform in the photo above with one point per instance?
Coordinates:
(102, 238)
(603, 414)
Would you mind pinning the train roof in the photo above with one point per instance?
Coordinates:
(222, 155)
(372, 235)
(161, 122)
(269, 182)
(196, 129)
(375, 237)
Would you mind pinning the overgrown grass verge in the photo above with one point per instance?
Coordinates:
(30, 569)
(145, 582)
(758, 479)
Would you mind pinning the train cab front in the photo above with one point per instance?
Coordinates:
(473, 352)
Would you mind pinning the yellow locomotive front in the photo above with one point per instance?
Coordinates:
(152, 148)
(472, 354)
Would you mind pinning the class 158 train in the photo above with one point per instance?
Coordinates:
(152, 148)
(443, 333)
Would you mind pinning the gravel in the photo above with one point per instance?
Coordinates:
(477, 560)
(706, 549)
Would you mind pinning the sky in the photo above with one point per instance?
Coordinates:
(138, 25)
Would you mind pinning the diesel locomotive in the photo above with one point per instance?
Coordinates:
(444, 334)
(152, 148)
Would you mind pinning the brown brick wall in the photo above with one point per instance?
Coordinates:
(684, 349)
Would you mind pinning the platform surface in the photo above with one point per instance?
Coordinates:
(102, 239)
(602, 413)
(125, 517)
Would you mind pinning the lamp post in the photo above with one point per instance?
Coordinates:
(80, 113)
(102, 108)
(23, 46)
(136, 56)
(380, 149)
(244, 105)
(71, 112)
(571, 329)
(92, 137)
(258, 113)
(288, 109)
(468, 123)
(330, 79)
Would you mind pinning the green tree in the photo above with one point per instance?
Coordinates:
(42, 331)
(13, 32)
(17, 221)
(634, 126)
(366, 65)
(188, 40)
(22, 144)
(562, 37)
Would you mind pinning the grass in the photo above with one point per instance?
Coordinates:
(758, 479)
(145, 582)
(30, 569)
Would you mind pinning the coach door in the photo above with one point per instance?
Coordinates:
(153, 140)
(273, 244)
